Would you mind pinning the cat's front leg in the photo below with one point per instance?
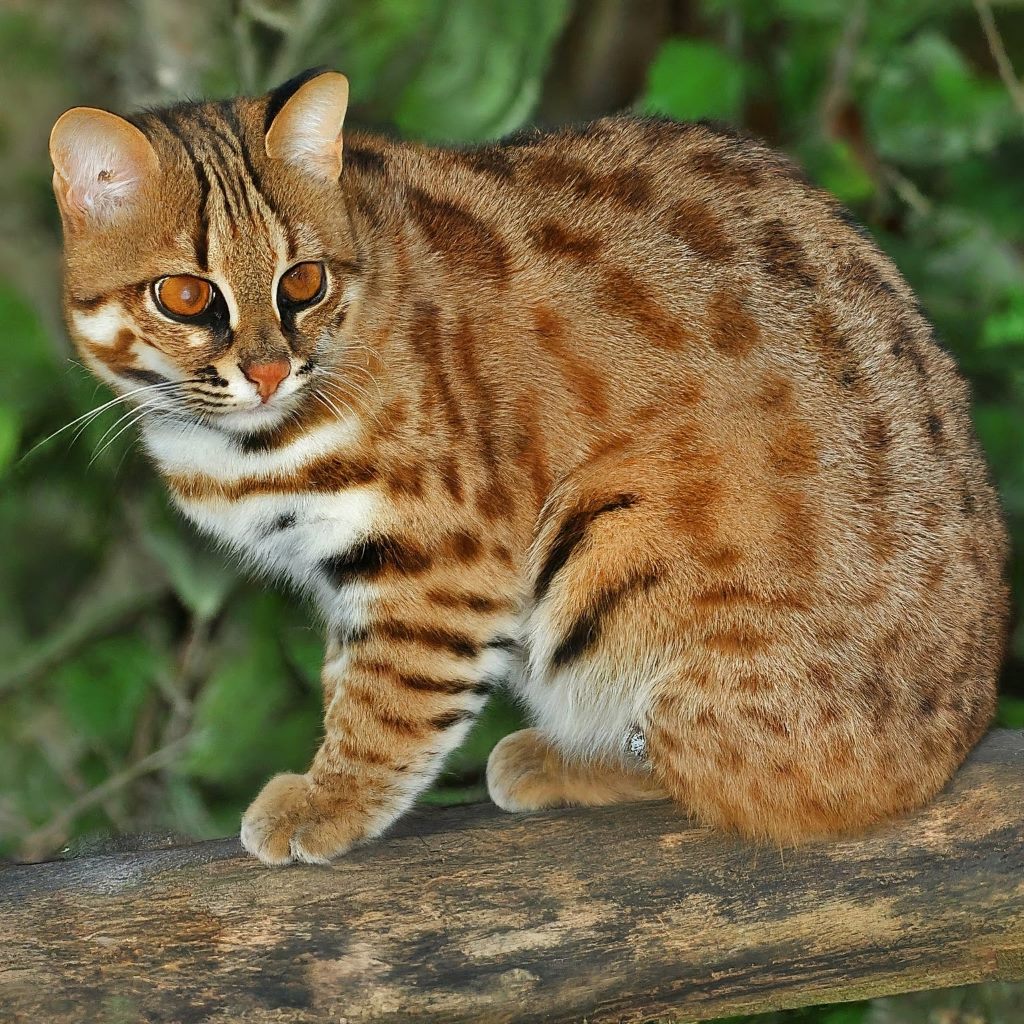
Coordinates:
(400, 695)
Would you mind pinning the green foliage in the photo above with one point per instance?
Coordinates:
(122, 635)
(691, 79)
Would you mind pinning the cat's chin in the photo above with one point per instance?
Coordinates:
(255, 420)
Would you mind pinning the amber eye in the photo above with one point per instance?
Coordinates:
(301, 285)
(183, 295)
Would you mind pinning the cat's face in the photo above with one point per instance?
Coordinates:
(209, 265)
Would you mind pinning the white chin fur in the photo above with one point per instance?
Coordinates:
(253, 420)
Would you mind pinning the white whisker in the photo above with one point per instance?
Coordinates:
(87, 417)
(141, 412)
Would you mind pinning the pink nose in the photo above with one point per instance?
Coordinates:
(267, 376)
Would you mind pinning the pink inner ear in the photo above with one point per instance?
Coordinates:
(100, 162)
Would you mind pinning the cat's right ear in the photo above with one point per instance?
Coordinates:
(100, 161)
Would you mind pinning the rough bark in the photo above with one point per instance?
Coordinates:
(614, 914)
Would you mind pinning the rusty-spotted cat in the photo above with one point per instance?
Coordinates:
(627, 415)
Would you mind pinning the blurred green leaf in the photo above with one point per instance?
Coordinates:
(28, 353)
(483, 72)
(927, 107)
(249, 722)
(1006, 327)
(10, 435)
(102, 689)
(1011, 713)
(690, 79)
(200, 577)
(835, 167)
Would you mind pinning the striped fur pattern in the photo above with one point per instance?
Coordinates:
(628, 416)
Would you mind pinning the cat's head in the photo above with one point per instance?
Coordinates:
(209, 261)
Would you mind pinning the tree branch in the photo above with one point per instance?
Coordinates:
(999, 54)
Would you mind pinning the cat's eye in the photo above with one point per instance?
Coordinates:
(183, 296)
(302, 285)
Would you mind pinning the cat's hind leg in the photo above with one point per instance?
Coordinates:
(719, 613)
(526, 772)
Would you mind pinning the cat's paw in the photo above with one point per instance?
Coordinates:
(294, 819)
(521, 775)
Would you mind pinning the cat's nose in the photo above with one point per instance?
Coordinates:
(267, 376)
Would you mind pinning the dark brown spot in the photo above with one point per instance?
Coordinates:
(625, 295)
(452, 479)
(858, 272)
(714, 163)
(504, 556)
(406, 481)
(465, 241)
(366, 161)
(718, 556)
(877, 439)
(753, 682)
(695, 502)
(491, 160)
(731, 328)
(555, 172)
(797, 529)
(782, 256)
(555, 239)
(465, 547)
(629, 187)
(793, 451)
(776, 395)
(695, 223)
(738, 640)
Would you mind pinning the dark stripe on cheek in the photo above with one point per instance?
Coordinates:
(586, 630)
(570, 536)
(143, 376)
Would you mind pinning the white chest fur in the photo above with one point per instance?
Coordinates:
(282, 531)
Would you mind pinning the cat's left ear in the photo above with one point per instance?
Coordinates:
(305, 130)
(100, 162)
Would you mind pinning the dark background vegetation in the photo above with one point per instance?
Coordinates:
(145, 686)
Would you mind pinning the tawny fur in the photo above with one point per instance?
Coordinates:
(629, 414)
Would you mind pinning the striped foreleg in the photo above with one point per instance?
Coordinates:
(401, 693)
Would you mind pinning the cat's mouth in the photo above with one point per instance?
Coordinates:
(257, 416)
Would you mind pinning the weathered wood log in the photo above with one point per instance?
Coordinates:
(615, 914)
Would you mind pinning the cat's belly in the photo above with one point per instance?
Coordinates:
(587, 713)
